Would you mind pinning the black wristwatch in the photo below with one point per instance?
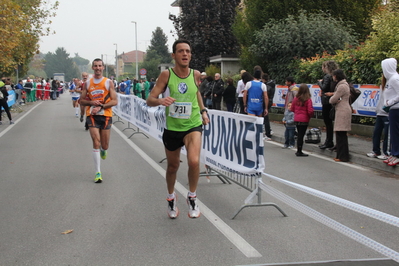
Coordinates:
(204, 110)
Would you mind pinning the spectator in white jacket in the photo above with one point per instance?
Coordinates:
(391, 105)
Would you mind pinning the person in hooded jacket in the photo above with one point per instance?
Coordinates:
(391, 105)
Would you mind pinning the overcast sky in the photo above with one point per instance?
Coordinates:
(91, 27)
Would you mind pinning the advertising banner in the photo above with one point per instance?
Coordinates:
(365, 105)
(231, 142)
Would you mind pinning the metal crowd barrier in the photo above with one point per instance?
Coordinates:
(249, 183)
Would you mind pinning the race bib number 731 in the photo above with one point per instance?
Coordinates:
(180, 110)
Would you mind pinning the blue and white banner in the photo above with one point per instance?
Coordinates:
(365, 105)
(231, 142)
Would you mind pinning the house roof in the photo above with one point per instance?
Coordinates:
(130, 57)
(176, 3)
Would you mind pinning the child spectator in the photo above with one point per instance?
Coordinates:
(303, 109)
(289, 124)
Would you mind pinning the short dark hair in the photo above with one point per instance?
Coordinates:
(97, 60)
(257, 73)
(209, 78)
(246, 76)
(339, 74)
(179, 41)
(290, 79)
(265, 76)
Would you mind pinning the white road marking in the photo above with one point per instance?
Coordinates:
(16, 122)
(355, 166)
(225, 229)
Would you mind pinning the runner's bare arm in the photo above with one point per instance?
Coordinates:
(113, 97)
(160, 85)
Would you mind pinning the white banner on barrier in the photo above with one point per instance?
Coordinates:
(234, 143)
(231, 142)
(150, 120)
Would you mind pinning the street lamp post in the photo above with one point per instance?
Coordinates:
(106, 66)
(137, 68)
(116, 61)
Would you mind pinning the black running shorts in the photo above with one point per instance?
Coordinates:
(174, 139)
(99, 121)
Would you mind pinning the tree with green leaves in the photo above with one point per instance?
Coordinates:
(279, 43)
(158, 48)
(60, 62)
(252, 15)
(157, 53)
(207, 25)
(23, 22)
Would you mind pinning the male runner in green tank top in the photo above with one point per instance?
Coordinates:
(185, 115)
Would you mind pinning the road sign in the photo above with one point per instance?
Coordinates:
(143, 71)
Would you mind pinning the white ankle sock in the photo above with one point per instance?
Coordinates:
(192, 194)
(172, 196)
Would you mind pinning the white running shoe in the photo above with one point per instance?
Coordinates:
(193, 209)
(371, 155)
(382, 157)
(173, 211)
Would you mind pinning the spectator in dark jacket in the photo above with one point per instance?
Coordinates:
(271, 89)
(327, 87)
(229, 95)
(217, 92)
(3, 102)
(208, 92)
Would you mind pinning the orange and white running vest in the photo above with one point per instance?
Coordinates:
(99, 92)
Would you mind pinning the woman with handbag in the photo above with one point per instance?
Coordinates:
(343, 115)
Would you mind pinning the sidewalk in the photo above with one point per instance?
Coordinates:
(358, 147)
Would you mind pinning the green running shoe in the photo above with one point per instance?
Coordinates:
(98, 178)
(103, 154)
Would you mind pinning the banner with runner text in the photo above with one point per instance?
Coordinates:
(231, 142)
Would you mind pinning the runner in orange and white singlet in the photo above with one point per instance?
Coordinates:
(99, 96)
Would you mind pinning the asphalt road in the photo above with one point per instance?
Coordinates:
(47, 188)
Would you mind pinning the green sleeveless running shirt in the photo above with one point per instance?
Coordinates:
(184, 113)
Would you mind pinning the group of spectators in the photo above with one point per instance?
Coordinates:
(28, 90)
(255, 92)
(140, 88)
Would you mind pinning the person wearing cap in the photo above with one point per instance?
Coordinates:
(3, 102)
(203, 85)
